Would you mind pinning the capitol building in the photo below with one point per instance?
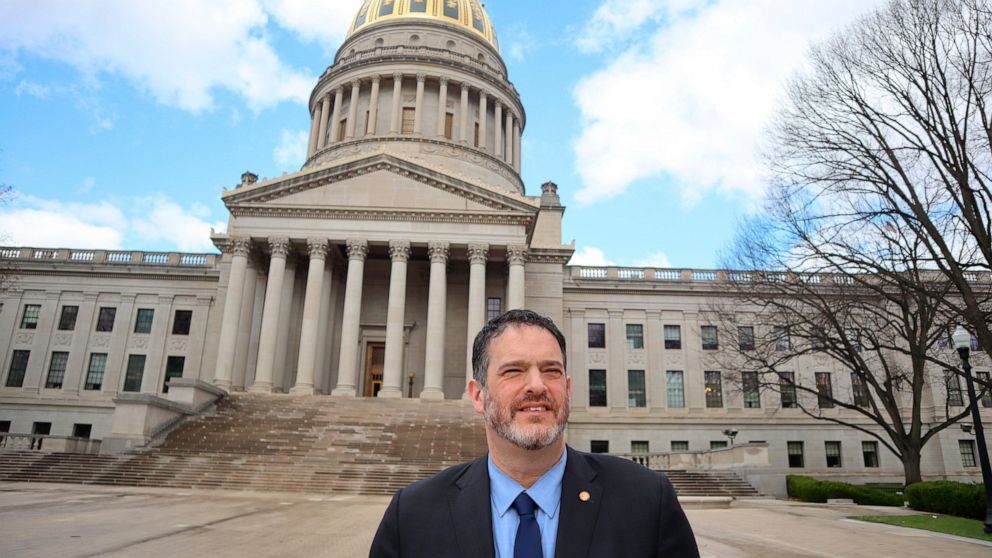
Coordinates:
(367, 273)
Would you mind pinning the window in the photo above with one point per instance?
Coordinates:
(143, 321)
(640, 446)
(824, 390)
(67, 320)
(409, 118)
(5, 426)
(636, 393)
(135, 372)
(834, 460)
(781, 335)
(599, 446)
(182, 321)
(105, 321)
(953, 382)
(494, 307)
(173, 369)
(343, 126)
(680, 445)
(983, 377)
(635, 336)
(858, 390)
(870, 452)
(796, 460)
(597, 388)
(94, 375)
(56, 370)
(710, 342)
(597, 336)
(29, 320)
(476, 136)
(449, 125)
(82, 430)
(367, 119)
(787, 387)
(714, 390)
(18, 366)
(818, 339)
(676, 389)
(967, 448)
(41, 428)
(673, 337)
(752, 393)
(718, 444)
(745, 338)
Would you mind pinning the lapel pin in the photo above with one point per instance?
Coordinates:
(584, 496)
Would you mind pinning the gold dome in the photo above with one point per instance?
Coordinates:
(466, 14)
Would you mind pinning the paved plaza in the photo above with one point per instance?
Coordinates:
(44, 520)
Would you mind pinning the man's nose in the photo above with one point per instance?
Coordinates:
(535, 381)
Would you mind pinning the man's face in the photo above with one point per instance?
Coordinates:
(526, 399)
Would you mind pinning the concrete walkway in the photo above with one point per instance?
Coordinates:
(43, 520)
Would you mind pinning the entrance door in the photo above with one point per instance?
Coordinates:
(375, 356)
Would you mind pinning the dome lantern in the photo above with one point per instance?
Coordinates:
(469, 15)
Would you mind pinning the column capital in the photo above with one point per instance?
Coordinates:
(278, 246)
(357, 249)
(443, 80)
(376, 79)
(399, 250)
(241, 246)
(438, 252)
(498, 103)
(421, 78)
(356, 82)
(339, 91)
(478, 253)
(318, 248)
(397, 76)
(516, 254)
(484, 93)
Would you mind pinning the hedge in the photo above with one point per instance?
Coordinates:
(811, 490)
(948, 498)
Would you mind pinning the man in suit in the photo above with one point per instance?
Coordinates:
(532, 497)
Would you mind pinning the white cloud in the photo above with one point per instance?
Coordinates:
(323, 21)
(292, 149)
(166, 222)
(657, 259)
(690, 104)
(590, 256)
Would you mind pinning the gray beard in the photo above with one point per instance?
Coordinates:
(501, 422)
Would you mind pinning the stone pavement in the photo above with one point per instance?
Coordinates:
(43, 520)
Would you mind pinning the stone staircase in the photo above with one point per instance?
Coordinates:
(303, 444)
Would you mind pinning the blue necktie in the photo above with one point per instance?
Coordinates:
(528, 542)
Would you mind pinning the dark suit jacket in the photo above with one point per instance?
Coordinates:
(632, 512)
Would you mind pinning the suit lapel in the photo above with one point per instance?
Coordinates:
(471, 511)
(578, 517)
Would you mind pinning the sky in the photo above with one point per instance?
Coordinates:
(122, 121)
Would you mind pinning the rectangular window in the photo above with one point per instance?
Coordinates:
(597, 336)
(173, 369)
(824, 390)
(56, 370)
(870, 452)
(787, 387)
(745, 338)
(714, 389)
(635, 336)
(673, 337)
(953, 382)
(449, 125)
(5, 426)
(718, 444)
(409, 117)
(105, 320)
(781, 336)
(29, 320)
(342, 128)
(18, 366)
(858, 390)
(636, 393)
(82, 430)
(494, 307)
(476, 136)
(67, 320)
(675, 388)
(985, 387)
(834, 460)
(710, 341)
(796, 460)
(94, 374)
(41, 428)
(182, 321)
(818, 339)
(135, 372)
(640, 446)
(967, 453)
(599, 446)
(366, 128)
(680, 445)
(143, 321)
(752, 391)
(597, 388)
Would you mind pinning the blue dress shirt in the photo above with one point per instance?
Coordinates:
(546, 493)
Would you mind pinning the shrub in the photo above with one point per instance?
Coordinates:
(811, 490)
(948, 498)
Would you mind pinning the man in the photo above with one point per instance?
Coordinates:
(532, 497)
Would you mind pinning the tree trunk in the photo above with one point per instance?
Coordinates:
(911, 466)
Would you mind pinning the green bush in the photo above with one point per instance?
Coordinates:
(948, 498)
(811, 490)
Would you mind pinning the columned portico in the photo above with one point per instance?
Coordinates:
(306, 369)
(477, 256)
(240, 250)
(399, 253)
(348, 361)
(436, 311)
(279, 248)
(516, 258)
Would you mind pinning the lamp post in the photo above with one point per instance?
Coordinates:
(962, 342)
(731, 433)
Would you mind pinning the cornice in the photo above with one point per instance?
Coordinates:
(131, 273)
(369, 214)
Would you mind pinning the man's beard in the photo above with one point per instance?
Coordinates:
(529, 437)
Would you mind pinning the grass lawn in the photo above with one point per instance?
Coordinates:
(959, 526)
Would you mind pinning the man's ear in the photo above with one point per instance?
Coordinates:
(475, 395)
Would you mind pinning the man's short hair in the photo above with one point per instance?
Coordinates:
(496, 326)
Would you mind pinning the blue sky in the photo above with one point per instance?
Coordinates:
(122, 121)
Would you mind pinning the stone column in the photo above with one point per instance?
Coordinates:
(314, 130)
(477, 256)
(483, 109)
(437, 304)
(516, 145)
(463, 132)
(306, 369)
(394, 123)
(392, 368)
(442, 106)
(498, 141)
(517, 257)
(508, 152)
(279, 248)
(350, 320)
(336, 115)
(373, 107)
(325, 114)
(418, 110)
(231, 322)
(352, 125)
